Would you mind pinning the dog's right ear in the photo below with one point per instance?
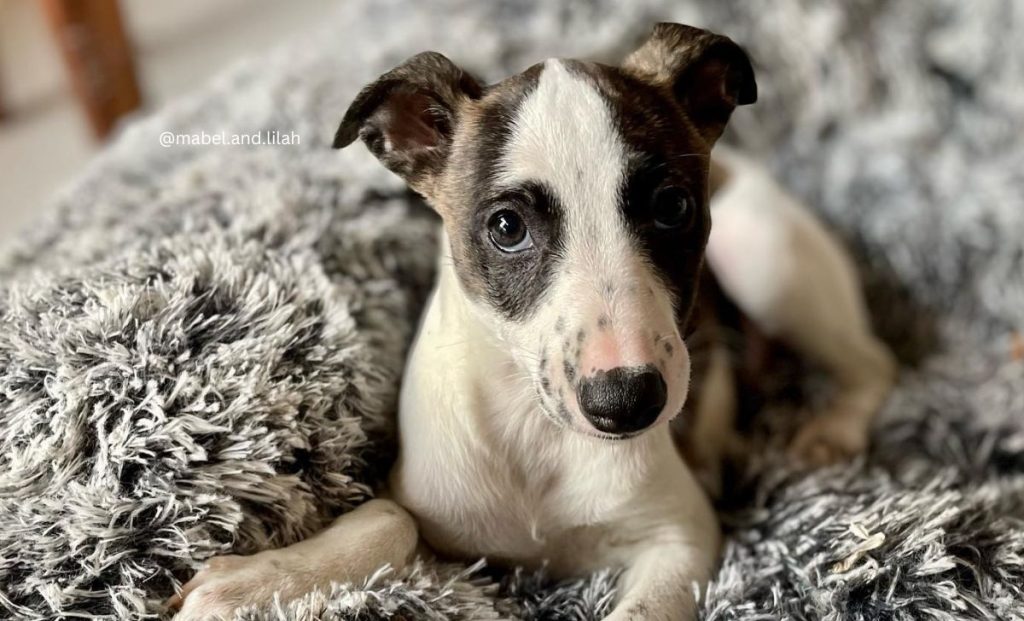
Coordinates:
(407, 117)
(708, 74)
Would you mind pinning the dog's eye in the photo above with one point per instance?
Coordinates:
(674, 208)
(509, 232)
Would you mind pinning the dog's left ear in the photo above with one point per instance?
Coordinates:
(708, 74)
(407, 117)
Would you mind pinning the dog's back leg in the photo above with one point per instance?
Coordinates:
(863, 370)
(353, 547)
(789, 276)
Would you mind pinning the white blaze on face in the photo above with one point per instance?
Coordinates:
(609, 309)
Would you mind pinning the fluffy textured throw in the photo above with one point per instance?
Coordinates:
(200, 346)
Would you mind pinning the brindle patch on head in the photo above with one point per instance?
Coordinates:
(513, 283)
(664, 150)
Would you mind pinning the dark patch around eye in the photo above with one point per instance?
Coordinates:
(667, 151)
(514, 282)
(641, 187)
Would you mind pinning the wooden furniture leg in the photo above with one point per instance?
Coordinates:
(98, 57)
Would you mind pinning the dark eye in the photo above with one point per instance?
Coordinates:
(509, 232)
(674, 208)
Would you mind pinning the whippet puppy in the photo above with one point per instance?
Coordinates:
(577, 210)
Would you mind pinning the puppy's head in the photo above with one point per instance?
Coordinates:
(575, 199)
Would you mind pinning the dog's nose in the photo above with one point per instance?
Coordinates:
(623, 399)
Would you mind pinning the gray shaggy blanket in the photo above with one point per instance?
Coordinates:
(200, 346)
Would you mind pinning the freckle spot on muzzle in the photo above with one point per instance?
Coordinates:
(563, 412)
(570, 371)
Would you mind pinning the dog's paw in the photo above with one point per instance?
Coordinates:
(830, 438)
(225, 584)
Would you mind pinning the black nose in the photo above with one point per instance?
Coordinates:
(622, 400)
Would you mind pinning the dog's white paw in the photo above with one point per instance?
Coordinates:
(829, 438)
(225, 584)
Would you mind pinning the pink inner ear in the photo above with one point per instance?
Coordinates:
(410, 123)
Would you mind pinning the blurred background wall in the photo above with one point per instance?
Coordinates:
(45, 137)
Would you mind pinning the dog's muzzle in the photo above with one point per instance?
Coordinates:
(622, 400)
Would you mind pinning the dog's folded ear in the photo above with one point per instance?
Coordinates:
(708, 74)
(407, 116)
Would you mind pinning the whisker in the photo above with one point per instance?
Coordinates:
(452, 344)
(685, 155)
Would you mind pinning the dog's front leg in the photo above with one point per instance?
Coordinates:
(660, 581)
(353, 547)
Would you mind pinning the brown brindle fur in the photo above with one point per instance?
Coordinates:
(456, 192)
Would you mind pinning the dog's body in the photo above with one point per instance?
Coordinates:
(534, 406)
